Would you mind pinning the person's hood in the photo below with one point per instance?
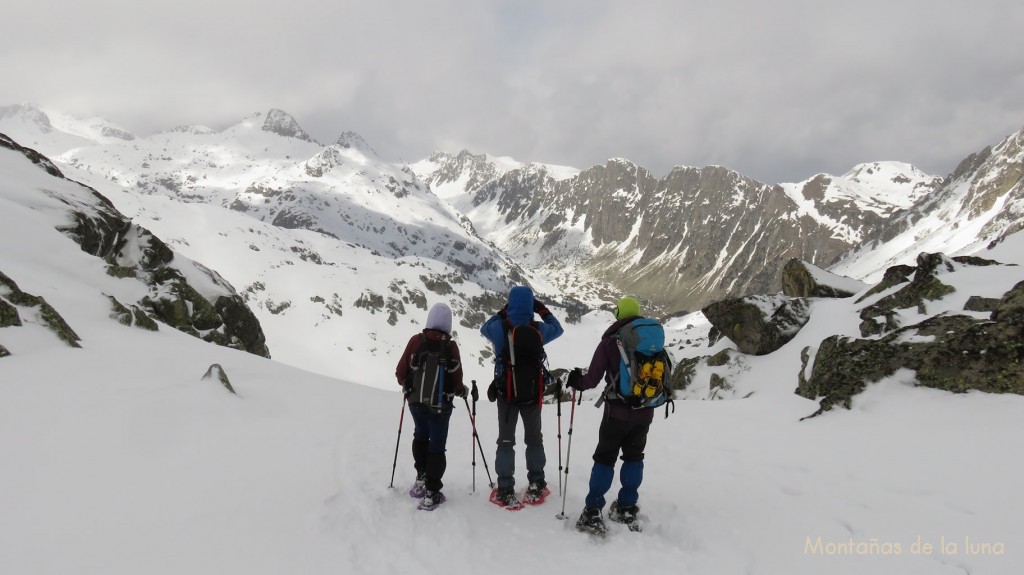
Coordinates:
(520, 305)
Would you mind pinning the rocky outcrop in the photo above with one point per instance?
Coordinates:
(924, 286)
(281, 123)
(217, 373)
(952, 352)
(758, 325)
(804, 279)
(11, 297)
(8, 314)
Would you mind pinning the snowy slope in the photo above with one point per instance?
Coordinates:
(31, 127)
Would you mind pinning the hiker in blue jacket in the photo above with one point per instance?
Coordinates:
(519, 311)
(623, 428)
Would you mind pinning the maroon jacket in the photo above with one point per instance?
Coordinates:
(604, 366)
(411, 348)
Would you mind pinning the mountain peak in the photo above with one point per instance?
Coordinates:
(352, 140)
(283, 124)
(28, 113)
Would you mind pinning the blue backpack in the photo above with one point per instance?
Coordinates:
(644, 366)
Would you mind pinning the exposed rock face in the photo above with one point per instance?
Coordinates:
(679, 242)
(804, 279)
(354, 140)
(216, 372)
(11, 296)
(281, 123)
(758, 325)
(923, 287)
(8, 314)
(474, 168)
(951, 352)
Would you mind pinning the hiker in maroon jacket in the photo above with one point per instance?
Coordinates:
(431, 423)
(623, 428)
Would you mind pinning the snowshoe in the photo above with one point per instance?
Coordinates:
(627, 515)
(536, 494)
(431, 500)
(419, 489)
(590, 521)
(506, 498)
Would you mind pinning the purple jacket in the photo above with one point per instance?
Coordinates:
(605, 366)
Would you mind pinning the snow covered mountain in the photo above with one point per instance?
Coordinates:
(980, 203)
(300, 228)
(53, 133)
(692, 237)
(119, 457)
(147, 280)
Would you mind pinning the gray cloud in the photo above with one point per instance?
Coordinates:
(776, 90)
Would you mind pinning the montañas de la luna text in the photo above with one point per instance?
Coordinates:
(878, 547)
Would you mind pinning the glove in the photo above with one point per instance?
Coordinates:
(476, 393)
(492, 392)
(461, 391)
(540, 309)
(574, 379)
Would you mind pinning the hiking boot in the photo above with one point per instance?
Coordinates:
(590, 521)
(623, 514)
(432, 499)
(536, 493)
(419, 489)
(506, 498)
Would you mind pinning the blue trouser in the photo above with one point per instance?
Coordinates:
(613, 436)
(429, 437)
(505, 457)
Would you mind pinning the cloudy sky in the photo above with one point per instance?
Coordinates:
(778, 90)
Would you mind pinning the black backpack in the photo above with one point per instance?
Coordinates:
(431, 365)
(524, 359)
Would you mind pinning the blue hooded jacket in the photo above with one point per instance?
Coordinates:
(520, 312)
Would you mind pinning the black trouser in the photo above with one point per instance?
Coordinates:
(616, 435)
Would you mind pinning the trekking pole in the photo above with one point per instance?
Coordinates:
(559, 399)
(568, 452)
(472, 447)
(472, 421)
(398, 442)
